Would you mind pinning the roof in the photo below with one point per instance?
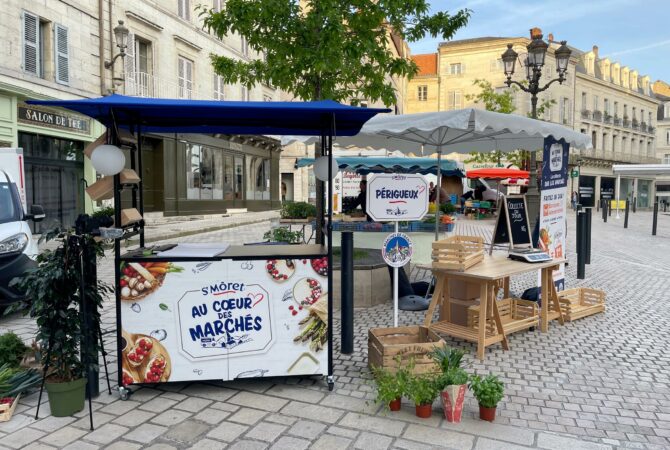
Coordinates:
(161, 115)
(374, 164)
(473, 40)
(427, 63)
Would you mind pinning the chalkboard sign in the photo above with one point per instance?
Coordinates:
(586, 191)
(512, 224)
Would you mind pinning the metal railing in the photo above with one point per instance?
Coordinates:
(586, 114)
(617, 121)
(142, 84)
(598, 115)
(626, 123)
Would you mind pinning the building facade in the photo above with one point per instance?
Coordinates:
(662, 91)
(599, 97)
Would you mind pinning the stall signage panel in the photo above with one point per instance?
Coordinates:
(397, 249)
(512, 223)
(223, 319)
(553, 204)
(395, 197)
(607, 188)
(586, 191)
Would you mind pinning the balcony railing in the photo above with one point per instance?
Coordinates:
(635, 124)
(586, 114)
(607, 118)
(617, 121)
(643, 126)
(142, 84)
(598, 115)
(626, 123)
(651, 130)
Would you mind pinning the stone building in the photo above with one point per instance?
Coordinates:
(661, 90)
(612, 103)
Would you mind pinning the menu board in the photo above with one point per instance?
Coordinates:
(223, 319)
(512, 223)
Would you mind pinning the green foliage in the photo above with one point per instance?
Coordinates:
(107, 211)
(447, 208)
(502, 102)
(12, 349)
(13, 381)
(390, 386)
(297, 210)
(282, 234)
(447, 358)
(53, 290)
(456, 376)
(423, 389)
(326, 49)
(488, 390)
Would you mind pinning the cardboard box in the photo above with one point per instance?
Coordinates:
(464, 291)
(459, 310)
(103, 189)
(130, 215)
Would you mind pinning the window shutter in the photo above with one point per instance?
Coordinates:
(129, 60)
(31, 44)
(61, 53)
(218, 87)
(462, 69)
(458, 100)
(217, 5)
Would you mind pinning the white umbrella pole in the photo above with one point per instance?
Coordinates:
(437, 193)
(395, 288)
(618, 191)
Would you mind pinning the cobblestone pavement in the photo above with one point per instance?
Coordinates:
(597, 383)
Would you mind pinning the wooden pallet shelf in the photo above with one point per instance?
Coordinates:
(581, 302)
(515, 315)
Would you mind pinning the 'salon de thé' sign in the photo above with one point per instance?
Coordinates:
(393, 197)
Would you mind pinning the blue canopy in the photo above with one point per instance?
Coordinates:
(161, 115)
(372, 164)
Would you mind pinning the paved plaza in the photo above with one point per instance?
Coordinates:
(598, 383)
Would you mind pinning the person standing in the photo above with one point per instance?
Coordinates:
(573, 200)
(361, 199)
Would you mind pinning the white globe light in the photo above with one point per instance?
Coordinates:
(108, 159)
(321, 168)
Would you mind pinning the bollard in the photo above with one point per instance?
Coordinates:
(635, 204)
(609, 209)
(347, 293)
(581, 251)
(665, 206)
(655, 221)
(625, 218)
(605, 208)
(587, 236)
(578, 235)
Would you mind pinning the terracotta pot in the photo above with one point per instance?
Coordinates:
(424, 411)
(394, 405)
(452, 402)
(487, 413)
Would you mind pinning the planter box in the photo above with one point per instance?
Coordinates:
(385, 344)
(581, 302)
(460, 310)
(6, 411)
(515, 315)
(458, 253)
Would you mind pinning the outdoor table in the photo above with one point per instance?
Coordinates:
(302, 225)
(489, 274)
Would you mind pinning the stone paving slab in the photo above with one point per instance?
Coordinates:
(597, 383)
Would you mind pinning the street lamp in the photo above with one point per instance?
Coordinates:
(121, 37)
(533, 63)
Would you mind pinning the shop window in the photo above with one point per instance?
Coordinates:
(258, 182)
(211, 173)
(193, 171)
(666, 158)
(239, 177)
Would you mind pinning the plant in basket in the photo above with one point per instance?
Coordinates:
(53, 288)
(423, 390)
(451, 382)
(12, 349)
(391, 386)
(488, 391)
(13, 382)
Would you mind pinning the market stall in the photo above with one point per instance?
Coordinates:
(190, 312)
(487, 205)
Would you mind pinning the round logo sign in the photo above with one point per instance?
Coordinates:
(397, 249)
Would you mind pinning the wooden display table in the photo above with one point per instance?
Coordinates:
(491, 274)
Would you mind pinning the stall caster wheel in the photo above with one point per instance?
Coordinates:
(124, 393)
(331, 382)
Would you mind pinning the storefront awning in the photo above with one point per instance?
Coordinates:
(641, 169)
(498, 173)
(365, 165)
(161, 115)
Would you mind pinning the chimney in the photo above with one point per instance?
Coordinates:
(595, 51)
(535, 32)
(550, 38)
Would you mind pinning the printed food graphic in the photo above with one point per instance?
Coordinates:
(320, 266)
(280, 269)
(139, 279)
(307, 291)
(145, 360)
(315, 329)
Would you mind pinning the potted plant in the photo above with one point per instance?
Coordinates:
(297, 210)
(423, 390)
(12, 349)
(281, 235)
(53, 290)
(452, 382)
(390, 386)
(488, 391)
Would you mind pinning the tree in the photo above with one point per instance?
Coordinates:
(502, 102)
(326, 49)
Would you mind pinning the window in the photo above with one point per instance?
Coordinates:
(216, 5)
(184, 9)
(454, 99)
(649, 119)
(219, 92)
(666, 158)
(497, 65)
(641, 115)
(625, 111)
(616, 109)
(32, 44)
(584, 105)
(138, 65)
(605, 142)
(666, 111)
(624, 144)
(210, 173)
(565, 110)
(548, 110)
(594, 141)
(595, 103)
(185, 77)
(607, 106)
(245, 94)
(456, 69)
(144, 55)
(61, 54)
(422, 93)
(667, 137)
(258, 180)
(634, 113)
(244, 47)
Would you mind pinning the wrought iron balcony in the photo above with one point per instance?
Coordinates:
(586, 114)
(617, 121)
(607, 118)
(142, 84)
(626, 122)
(598, 116)
(635, 124)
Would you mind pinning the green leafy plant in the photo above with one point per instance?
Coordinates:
(390, 386)
(447, 208)
(297, 210)
(423, 389)
(282, 234)
(53, 289)
(107, 211)
(12, 349)
(13, 381)
(447, 358)
(456, 376)
(488, 390)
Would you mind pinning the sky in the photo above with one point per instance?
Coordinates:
(634, 32)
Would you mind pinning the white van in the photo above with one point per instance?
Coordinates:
(18, 249)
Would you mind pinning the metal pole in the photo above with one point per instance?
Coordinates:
(587, 236)
(655, 220)
(347, 292)
(634, 204)
(438, 188)
(625, 217)
(607, 210)
(578, 235)
(395, 284)
(618, 192)
(581, 251)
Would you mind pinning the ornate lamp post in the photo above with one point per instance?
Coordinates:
(537, 51)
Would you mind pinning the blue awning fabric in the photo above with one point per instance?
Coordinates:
(371, 164)
(161, 115)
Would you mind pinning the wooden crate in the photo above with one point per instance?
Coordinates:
(515, 315)
(6, 411)
(581, 302)
(458, 252)
(385, 344)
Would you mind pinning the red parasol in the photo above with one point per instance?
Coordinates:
(499, 173)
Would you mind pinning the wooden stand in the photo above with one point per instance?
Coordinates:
(387, 344)
(581, 302)
(492, 274)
